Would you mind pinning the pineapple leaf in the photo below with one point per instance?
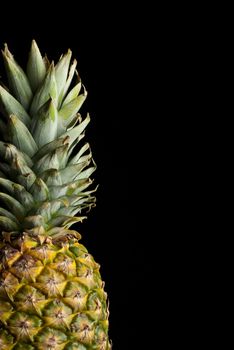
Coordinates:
(18, 192)
(77, 130)
(54, 160)
(71, 73)
(9, 105)
(69, 137)
(7, 224)
(36, 68)
(7, 185)
(45, 129)
(61, 72)
(6, 170)
(39, 190)
(16, 207)
(33, 221)
(69, 189)
(18, 80)
(54, 177)
(73, 93)
(45, 211)
(50, 147)
(64, 221)
(10, 153)
(86, 173)
(9, 215)
(47, 90)
(26, 180)
(71, 172)
(51, 177)
(21, 136)
(50, 208)
(77, 158)
(23, 196)
(60, 232)
(69, 111)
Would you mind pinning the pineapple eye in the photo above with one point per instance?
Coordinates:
(59, 315)
(23, 324)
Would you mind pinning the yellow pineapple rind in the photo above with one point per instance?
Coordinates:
(52, 297)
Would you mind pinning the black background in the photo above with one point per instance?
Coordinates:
(106, 43)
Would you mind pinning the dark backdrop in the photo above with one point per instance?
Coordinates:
(105, 46)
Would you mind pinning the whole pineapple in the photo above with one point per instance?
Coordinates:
(51, 292)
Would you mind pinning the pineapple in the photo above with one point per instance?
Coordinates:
(51, 293)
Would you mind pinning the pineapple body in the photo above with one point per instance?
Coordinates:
(51, 293)
(52, 297)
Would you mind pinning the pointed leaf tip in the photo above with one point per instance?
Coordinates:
(61, 73)
(6, 52)
(13, 119)
(36, 67)
(18, 80)
(68, 111)
(47, 90)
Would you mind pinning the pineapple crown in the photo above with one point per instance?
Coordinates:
(45, 169)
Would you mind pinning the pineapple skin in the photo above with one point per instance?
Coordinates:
(51, 297)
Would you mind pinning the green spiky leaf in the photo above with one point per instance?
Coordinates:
(77, 130)
(23, 196)
(52, 177)
(15, 206)
(71, 73)
(8, 224)
(54, 160)
(21, 136)
(72, 94)
(18, 80)
(61, 72)
(69, 189)
(39, 190)
(9, 215)
(69, 111)
(10, 153)
(9, 105)
(47, 90)
(71, 172)
(7, 184)
(79, 158)
(36, 67)
(45, 129)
